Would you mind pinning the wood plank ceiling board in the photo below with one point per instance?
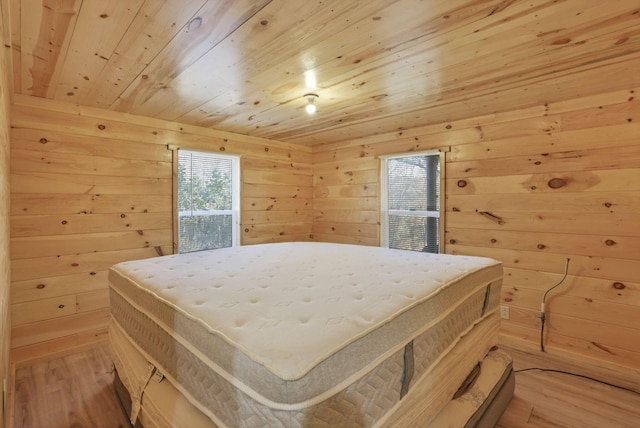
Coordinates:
(380, 66)
(46, 28)
(97, 32)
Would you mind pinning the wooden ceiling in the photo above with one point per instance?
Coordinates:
(379, 65)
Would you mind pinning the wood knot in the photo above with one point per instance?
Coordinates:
(588, 300)
(64, 221)
(462, 183)
(610, 242)
(619, 286)
(494, 240)
(266, 149)
(562, 41)
(43, 141)
(556, 183)
(541, 246)
(452, 241)
(40, 286)
(455, 209)
(61, 306)
(223, 148)
(246, 230)
(102, 127)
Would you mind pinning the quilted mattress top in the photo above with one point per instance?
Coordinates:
(289, 306)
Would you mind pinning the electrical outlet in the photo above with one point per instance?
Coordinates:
(504, 312)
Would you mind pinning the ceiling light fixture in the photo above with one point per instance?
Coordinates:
(311, 99)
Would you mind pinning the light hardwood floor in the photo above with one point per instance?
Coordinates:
(548, 399)
(77, 391)
(74, 391)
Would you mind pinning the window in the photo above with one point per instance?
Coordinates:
(411, 202)
(208, 201)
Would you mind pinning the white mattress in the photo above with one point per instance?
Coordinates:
(282, 329)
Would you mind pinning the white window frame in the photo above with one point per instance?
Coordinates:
(384, 198)
(235, 196)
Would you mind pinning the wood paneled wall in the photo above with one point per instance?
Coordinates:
(91, 188)
(530, 188)
(5, 262)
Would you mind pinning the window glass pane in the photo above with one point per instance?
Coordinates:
(204, 232)
(413, 185)
(206, 219)
(204, 182)
(414, 233)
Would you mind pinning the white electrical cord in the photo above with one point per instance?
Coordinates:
(544, 298)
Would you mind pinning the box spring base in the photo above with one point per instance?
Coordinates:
(163, 405)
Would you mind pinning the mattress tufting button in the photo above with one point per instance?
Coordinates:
(335, 320)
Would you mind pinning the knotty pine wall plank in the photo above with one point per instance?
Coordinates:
(530, 188)
(37, 333)
(55, 203)
(597, 203)
(45, 288)
(91, 188)
(5, 202)
(546, 142)
(579, 286)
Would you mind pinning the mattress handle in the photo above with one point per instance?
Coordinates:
(407, 372)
